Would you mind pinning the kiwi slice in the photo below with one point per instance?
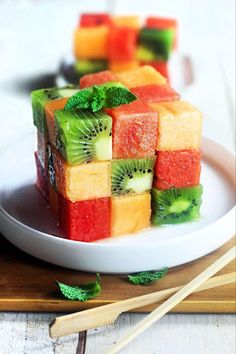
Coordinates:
(131, 176)
(51, 169)
(41, 97)
(157, 43)
(176, 205)
(85, 66)
(83, 136)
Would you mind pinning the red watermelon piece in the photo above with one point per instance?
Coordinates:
(177, 169)
(87, 220)
(93, 20)
(97, 79)
(41, 179)
(155, 93)
(122, 43)
(134, 130)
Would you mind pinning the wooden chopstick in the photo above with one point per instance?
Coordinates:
(173, 301)
(107, 314)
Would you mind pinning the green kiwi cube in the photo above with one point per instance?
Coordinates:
(41, 97)
(83, 136)
(154, 44)
(176, 205)
(131, 176)
(86, 66)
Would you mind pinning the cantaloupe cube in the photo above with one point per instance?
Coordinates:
(119, 66)
(144, 75)
(82, 182)
(91, 42)
(127, 21)
(179, 127)
(49, 113)
(130, 214)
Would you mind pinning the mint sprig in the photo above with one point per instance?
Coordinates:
(82, 292)
(102, 96)
(144, 278)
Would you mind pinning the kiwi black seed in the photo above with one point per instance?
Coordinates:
(132, 176)
(78, 139)
(176, 205)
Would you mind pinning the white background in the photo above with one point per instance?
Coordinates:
(34, 36)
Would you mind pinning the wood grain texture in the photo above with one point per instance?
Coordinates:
(28, 284)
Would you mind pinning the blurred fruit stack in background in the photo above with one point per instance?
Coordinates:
(122, 151)
(122, 43)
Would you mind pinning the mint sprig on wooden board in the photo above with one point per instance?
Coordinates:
(81, 292)
(144, 278)
(111, 94)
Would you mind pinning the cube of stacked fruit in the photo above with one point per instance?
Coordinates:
(106, 147)
(120, 43)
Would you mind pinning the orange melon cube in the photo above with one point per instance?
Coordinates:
(179, 127)
(130, 214)
(145, 75)
(127, 21)
(118, 66)
(91, 42)
(82, 182)
(50, 121)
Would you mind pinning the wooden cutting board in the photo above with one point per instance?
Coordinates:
(28, 284)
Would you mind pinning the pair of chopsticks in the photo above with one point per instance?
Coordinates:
(107, 314)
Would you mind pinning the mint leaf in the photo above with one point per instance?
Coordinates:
(97, 97)
(144, 278)
(82, 292)
(117, 96)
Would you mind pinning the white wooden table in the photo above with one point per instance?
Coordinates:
(28, 30)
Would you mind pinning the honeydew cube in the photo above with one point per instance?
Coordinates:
(82, 182)
(91, 42)
(130, 214)
(179, 126)
(145, 75)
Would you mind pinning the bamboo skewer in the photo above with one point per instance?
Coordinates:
(173, 301)
(107, 314)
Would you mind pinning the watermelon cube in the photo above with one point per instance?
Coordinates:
(155, 44)
(53, 200)
(155, 93)
(177, 169)
(41, 178)
(179, 126)
(91, 42)
(122, 43)
(85, 221)
(142, 76)
(97, 79)
(127, 21)
(82, 182)
(118, 66)
(134, 130)
(93, 20)
(130, 214)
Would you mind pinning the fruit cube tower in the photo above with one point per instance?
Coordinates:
(118, 153)
(102, 42)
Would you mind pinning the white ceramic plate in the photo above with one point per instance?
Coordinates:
(28, 224)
